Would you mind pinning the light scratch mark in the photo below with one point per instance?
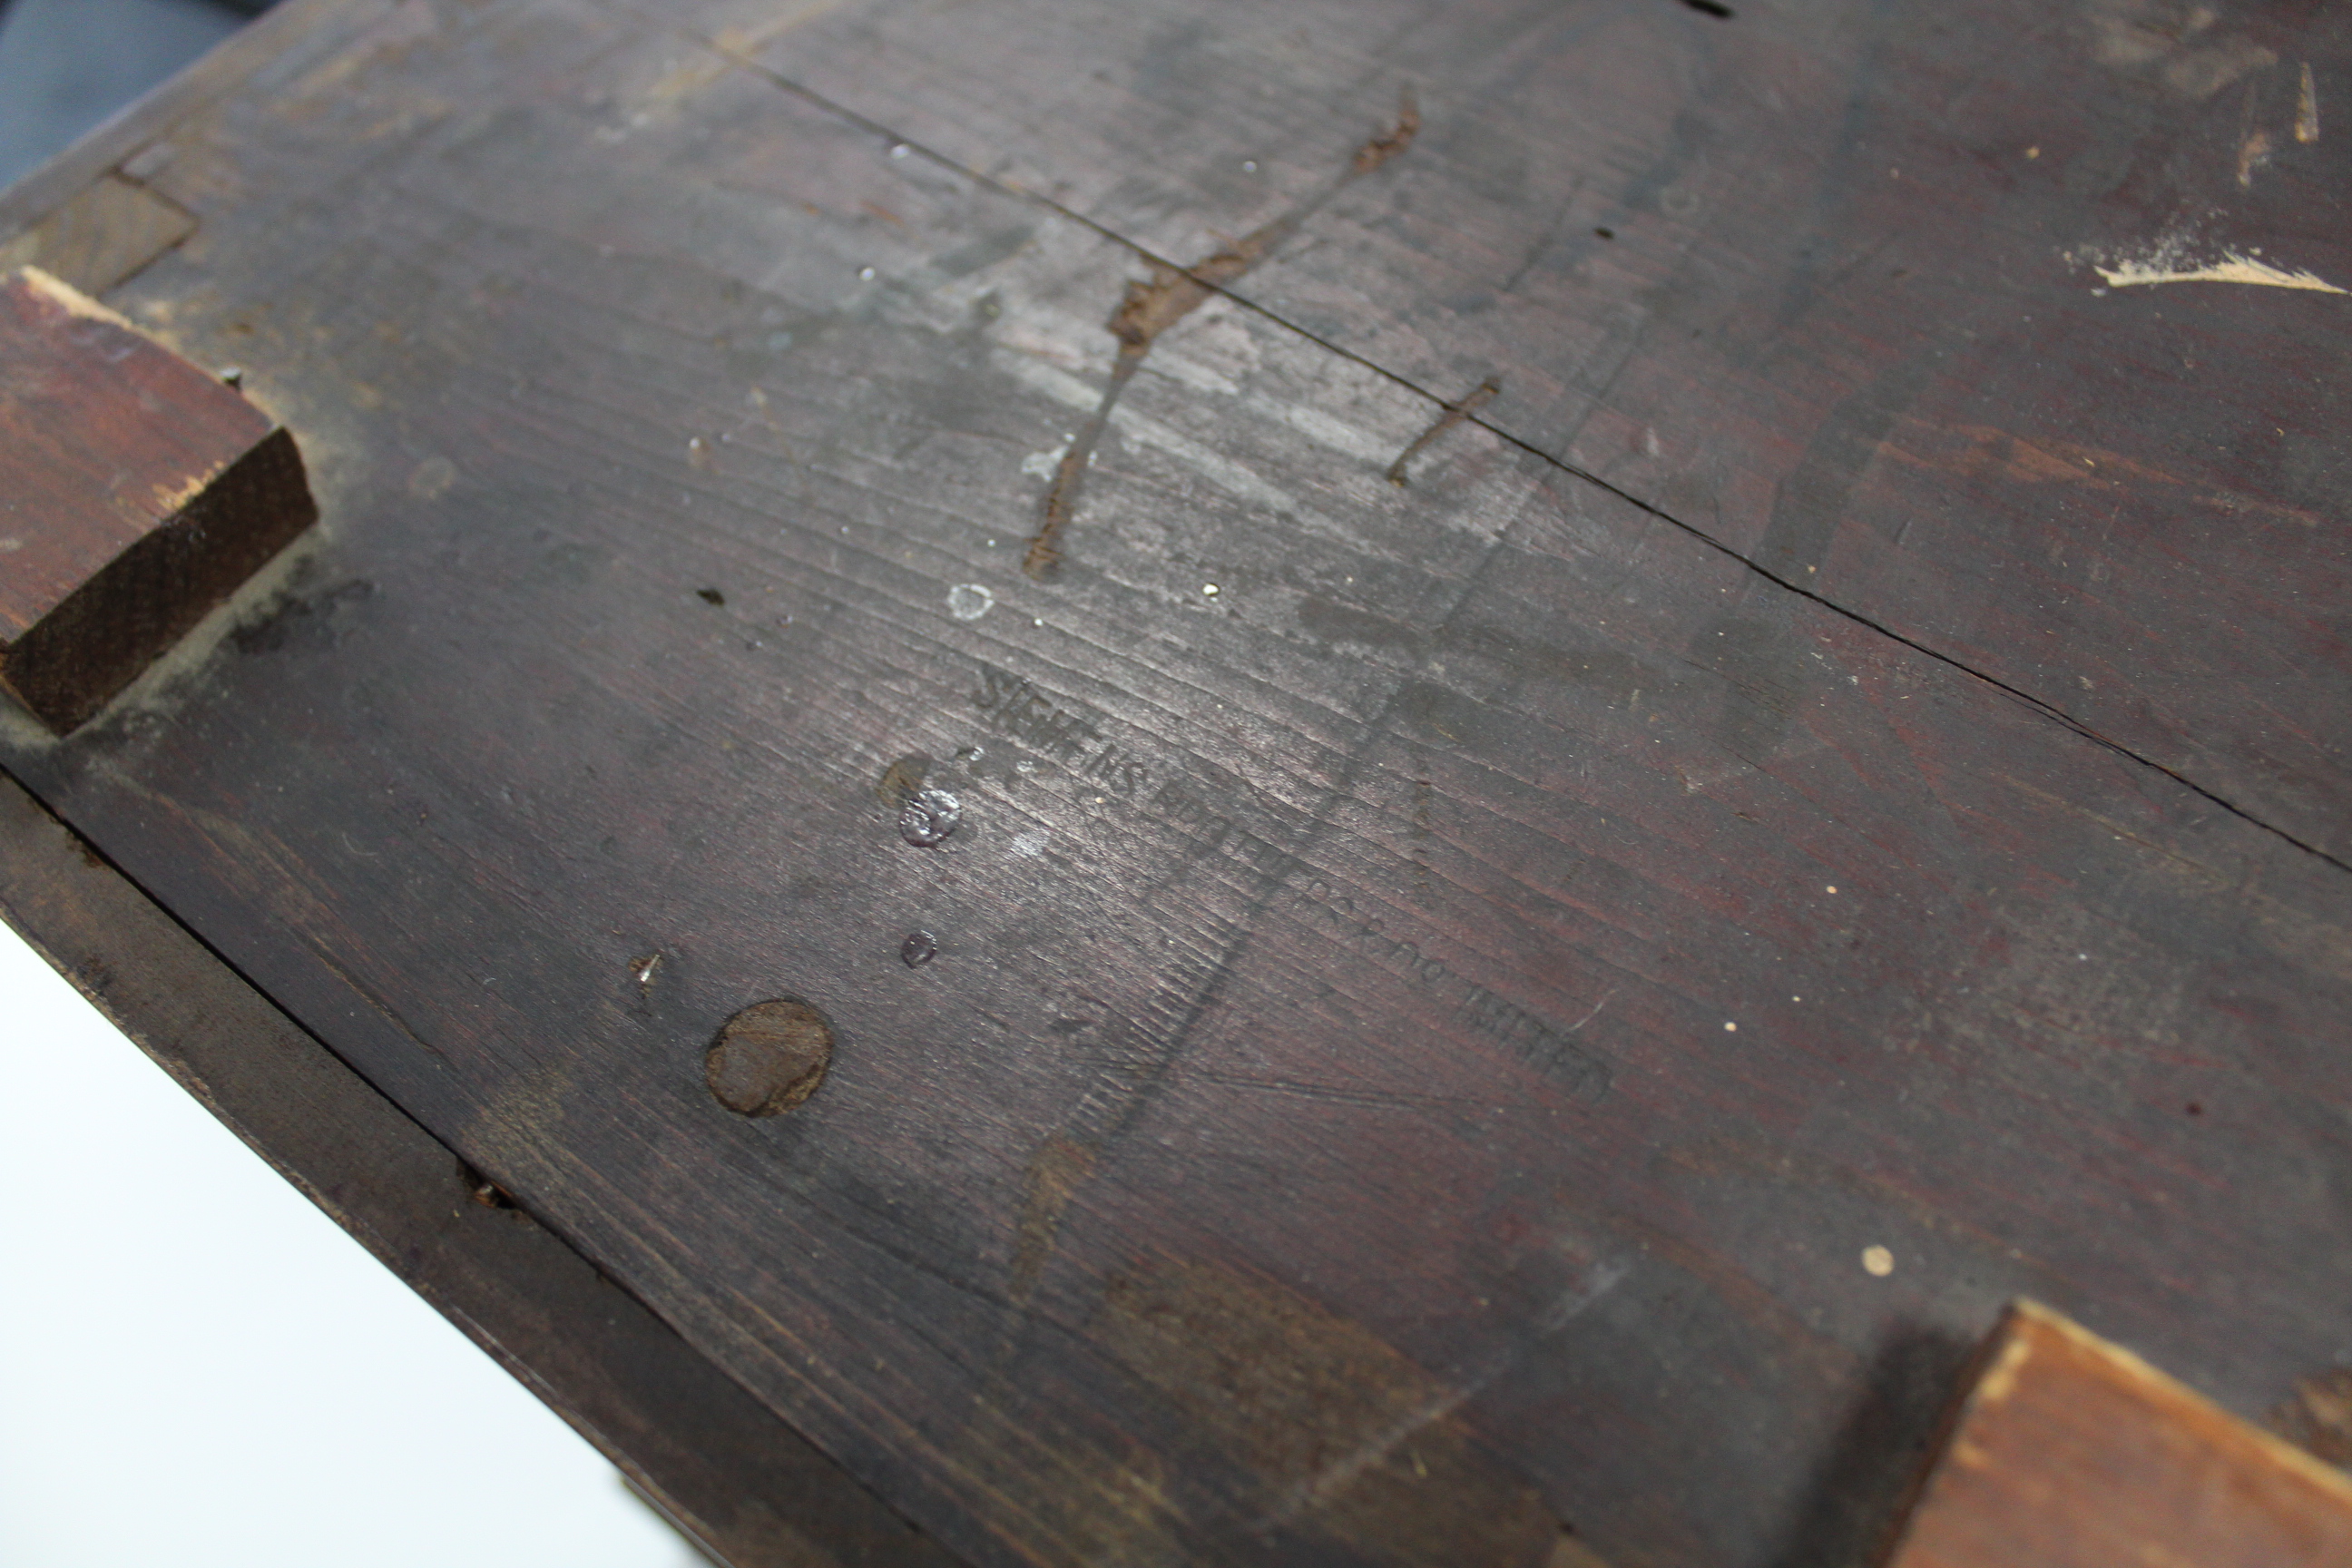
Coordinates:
(1597, 1005)
(2167, 265)
(1335, 1477)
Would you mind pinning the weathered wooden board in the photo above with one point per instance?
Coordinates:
(719, 1463)
(2068, 1452)
(1822, 281)
(1436, 987)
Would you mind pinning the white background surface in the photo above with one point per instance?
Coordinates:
(200, 1370)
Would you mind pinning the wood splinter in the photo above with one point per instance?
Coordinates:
(141, 492)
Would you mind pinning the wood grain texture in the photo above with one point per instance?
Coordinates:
(1435, 988)
(141, 492)
(1820, 281)
(2069, 1452)
(745, 1486)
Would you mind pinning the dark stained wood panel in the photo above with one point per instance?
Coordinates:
(1446, 997)
(1822, 282)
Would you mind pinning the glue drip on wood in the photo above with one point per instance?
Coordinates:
(1152, 306)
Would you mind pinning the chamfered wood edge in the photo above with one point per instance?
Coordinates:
(2006, 1340)
(220, 70)
(749, 1488)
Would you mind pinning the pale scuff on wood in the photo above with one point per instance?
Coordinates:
(2169, 262)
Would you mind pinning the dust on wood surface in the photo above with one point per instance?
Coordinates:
(1505, 931)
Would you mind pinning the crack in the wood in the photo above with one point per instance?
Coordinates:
(2047, 709)
(2039, 705)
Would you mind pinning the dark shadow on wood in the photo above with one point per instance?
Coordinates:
(1852, 1505)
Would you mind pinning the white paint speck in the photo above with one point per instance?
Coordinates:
(1877, 1260)
(867, 273)
(1040, 465)
(1210, 589)
(969, 601)
(1030, 842)
(900, 151)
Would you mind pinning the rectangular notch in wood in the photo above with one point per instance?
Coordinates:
(2068, 1452)
(139, 492)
